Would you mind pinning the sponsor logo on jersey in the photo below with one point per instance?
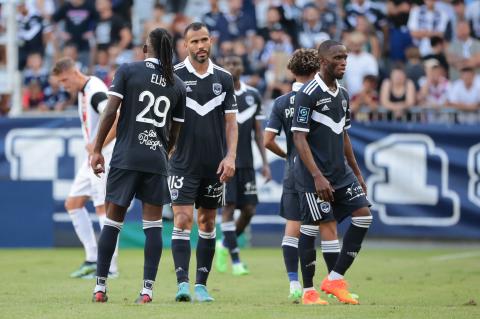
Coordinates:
(322, 101)
(150, 65)
(217, 88)
(325, 108)
(250, 188)
(352, 254)
(149, 138)
(187, 83)
(189, 89)
(302, 116)
(250, 100)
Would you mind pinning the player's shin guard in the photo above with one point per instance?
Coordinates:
(230, 240)
(84, 229)
(330, 251)
(106, 246)
(152, 253)
(181, 252)
(307, 253)
(290, 256)
(352, 242)
(205, 253)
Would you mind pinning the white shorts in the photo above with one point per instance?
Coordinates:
(87, 184)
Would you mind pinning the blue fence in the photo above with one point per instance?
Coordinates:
(423, 180)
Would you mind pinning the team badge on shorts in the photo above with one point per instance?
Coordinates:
(217, 88)
(250, 100)
(174, 194)
(325, 207)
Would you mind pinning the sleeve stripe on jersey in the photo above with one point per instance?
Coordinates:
(221, 69)
(260, 117)
(231, 111)
(309, 85)
(301, 129)
(179, 66)
(176, 119)
(311, 89)
(271, 130)
(115, 94)
(348, 126)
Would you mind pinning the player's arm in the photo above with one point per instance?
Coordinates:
(226, 169)
(274, 126)
(259, 141)
(352, 162)
(300, 129)
(178, 117)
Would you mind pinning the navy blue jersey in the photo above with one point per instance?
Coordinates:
(249, 105)
(324, 115)
(202, 143)
(148, 107)
(281, 119)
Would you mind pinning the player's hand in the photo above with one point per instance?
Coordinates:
(362, 184)
(323, 188)
(266, 173)
(226, 169)
(98, 164)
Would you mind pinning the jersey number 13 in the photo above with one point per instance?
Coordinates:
(155, 102)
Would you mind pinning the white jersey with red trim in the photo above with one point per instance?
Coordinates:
(92, 100)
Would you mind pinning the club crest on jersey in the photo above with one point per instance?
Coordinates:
(302, 116)
(344, 105)
(250, 100)
(217, 88)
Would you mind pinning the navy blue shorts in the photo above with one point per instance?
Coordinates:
(241, 190)
(347, 200)
(203, 192)
(124, 184)
(290, 207)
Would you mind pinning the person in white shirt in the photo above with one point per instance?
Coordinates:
(360, 63)
(464, 94)
(426, 22)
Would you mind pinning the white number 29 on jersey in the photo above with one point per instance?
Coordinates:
(155, 102)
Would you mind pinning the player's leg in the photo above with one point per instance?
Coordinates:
(75, 205)
(247, 199)
(229, 243)
(330, 244)
(121, 186)
(247, 212)
(205, 251)
(101, 212)
(311, 217)
(290, 257)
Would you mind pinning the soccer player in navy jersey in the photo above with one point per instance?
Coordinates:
(203, 160)
(303, 64)
(327, 176)
(152, 101)
(241, 190)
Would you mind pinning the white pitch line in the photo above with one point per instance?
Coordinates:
(467, 254)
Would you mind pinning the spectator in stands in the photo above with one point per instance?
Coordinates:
(4, 104)
(217, 22)
(274, 17)
(101, 69)
(473, 16)
(123, 8)
(359, 63)
(179, 23)
(70, 50)
(33, 98)
(434, 86)
(372, 10)
(426, 22)
(439, 47)
(180, 51)
(240, 25)
(313, 32)
(35, 71)
(43, 8)
(158, 21)
(464, 51)
(399, 38)
(460, 14)
(56, 98)
(372, 45)
(329, 17)
(30, 33)
(464, 93)
(111, 29)
(367, 97)
(414, 68)
(80, 17)
(397, 93)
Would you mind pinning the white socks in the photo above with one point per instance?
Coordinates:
(84, 229)
(334, 276)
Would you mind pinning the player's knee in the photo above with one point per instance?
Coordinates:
(248, 211)
(362, 212)
(228, 212)
(71, 204)
(183, 220)
(206, 223)
(328, 231)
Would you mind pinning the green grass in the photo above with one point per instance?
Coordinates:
(393, 283)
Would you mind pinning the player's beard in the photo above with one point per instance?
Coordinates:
(201, 60)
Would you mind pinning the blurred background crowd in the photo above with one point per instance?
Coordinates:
(411, 60)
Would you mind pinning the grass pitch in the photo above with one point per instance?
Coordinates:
(392, 283)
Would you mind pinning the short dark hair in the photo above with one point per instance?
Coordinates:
(62, 65)
(435, 40)
(195, 26)
(326, 45)
(304, 62)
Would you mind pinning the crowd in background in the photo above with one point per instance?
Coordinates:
(405, 56)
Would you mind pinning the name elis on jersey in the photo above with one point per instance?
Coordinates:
(158, 79)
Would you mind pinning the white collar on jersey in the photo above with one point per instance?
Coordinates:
(191, 69)
(296, 86)
(153, 60)
(324, 87)
(243, 89)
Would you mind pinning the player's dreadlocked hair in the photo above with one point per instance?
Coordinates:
(161, 42)
(304, 62)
